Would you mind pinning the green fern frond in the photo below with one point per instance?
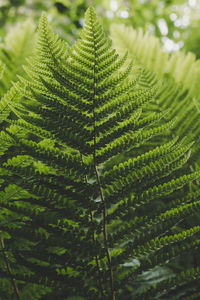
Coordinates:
(77, 220)
(5, 104)
(179, 73)
(183, 278)
(18, 46)
(183, 67)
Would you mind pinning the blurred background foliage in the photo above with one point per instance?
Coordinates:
(175, 22)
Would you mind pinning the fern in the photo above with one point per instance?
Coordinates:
(179, 73)
(79, 218)
(17, 47)
(183, 67)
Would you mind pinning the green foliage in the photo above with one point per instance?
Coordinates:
(192, 39)
(182, 67)
(86, 208)
(6, 6)
(180, 75)
(18, 46)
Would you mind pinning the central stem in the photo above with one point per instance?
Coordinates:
(94, 241)
(105, 235)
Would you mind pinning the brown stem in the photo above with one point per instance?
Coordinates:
(105, 235)
(97, 263)
(14, 285)
(94, 240)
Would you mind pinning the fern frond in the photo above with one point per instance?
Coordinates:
(183, 67)
(82, 190)
(181, 280)
(18, 46)
(5, 104)
(179, 73)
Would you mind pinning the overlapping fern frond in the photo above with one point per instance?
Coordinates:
(184, 68)
(89, 221)
(19, 44)
(180, 75)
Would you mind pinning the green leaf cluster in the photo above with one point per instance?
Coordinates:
(179, 76)
(88, 204)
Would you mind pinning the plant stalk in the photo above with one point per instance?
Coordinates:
(94, 240)
(97, 264)
(105, 235)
